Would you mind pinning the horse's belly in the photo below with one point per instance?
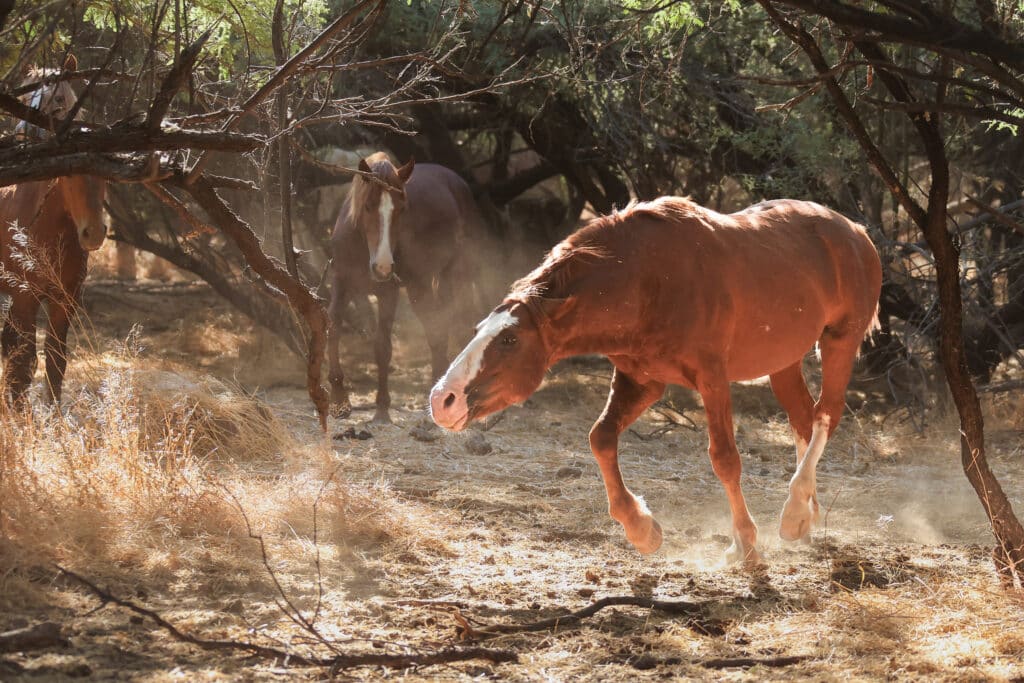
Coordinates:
(767, 348)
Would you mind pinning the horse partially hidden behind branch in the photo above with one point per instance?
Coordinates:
(47, 229)
(675, 293)
(415, 226)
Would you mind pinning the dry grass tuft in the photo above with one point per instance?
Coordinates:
(159, 477)
(170, 411)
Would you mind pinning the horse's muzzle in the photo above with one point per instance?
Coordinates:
(91, 237)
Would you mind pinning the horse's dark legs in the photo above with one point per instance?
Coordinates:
(432, 314)
(56, 349)
(340, 404)
(387, 302)
(838, 352)
(626, 400)
(19, 341)
(713, 386)
(7, 339)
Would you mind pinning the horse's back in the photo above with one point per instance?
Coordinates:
(846, 254)
(439, 200)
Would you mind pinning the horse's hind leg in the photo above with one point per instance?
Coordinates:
(19, 341)
(837, 356)
(626, 401)
(436, 320)
(387, 303)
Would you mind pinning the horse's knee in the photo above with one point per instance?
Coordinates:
(725, 462)
(603, 438)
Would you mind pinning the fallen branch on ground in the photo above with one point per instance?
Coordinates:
(468, 632)
(336, 662)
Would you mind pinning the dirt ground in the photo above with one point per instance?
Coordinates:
(440, 535)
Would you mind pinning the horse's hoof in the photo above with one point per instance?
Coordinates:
(749, 557)
(797, 518)
(381, 417)
(649, 537)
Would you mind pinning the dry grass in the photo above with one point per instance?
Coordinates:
(155, 477)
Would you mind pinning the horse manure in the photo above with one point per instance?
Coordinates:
(351, 433)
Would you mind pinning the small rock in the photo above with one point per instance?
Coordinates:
(585, 592)
(692, 532)
(764, 471)
(476, 444)
(569, 472)
(592, 576)
(136, 619)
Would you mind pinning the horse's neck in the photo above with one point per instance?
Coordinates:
(30, 200)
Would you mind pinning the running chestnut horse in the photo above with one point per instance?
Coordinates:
(47, 229)
(414, 226)
(675, 293)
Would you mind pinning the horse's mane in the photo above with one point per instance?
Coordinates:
(553, 278)
(380, 164)
(572, 259)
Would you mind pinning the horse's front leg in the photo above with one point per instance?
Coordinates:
(626, 401)
(56, 349)
(725, 461)
(387, 303)
(19, 342)
(341, 406)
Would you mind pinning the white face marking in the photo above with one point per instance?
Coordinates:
(384, 258)
(467, 364)
(448, 400)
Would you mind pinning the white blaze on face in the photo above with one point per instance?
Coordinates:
(383, 260)
(448, 399)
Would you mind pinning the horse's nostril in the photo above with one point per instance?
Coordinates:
(449, 400)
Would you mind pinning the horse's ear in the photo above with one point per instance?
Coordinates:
(406, 170)
(71, 63)
(364, 167)
(555, 309)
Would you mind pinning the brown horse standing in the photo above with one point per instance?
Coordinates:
(675, 293)
(47, 229)
(414, 226)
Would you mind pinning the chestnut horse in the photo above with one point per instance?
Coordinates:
(414, 226)
(47, 229)
(675, 293)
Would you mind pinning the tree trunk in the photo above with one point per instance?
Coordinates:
(284, 164)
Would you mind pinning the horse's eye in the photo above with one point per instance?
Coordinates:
(509, 340)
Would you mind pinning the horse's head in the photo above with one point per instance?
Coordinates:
(503, 364)
(83, 199)
(54, 98)
(376, 203)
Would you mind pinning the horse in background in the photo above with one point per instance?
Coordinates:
(415, 226)
(675, 293)
(47, 229)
